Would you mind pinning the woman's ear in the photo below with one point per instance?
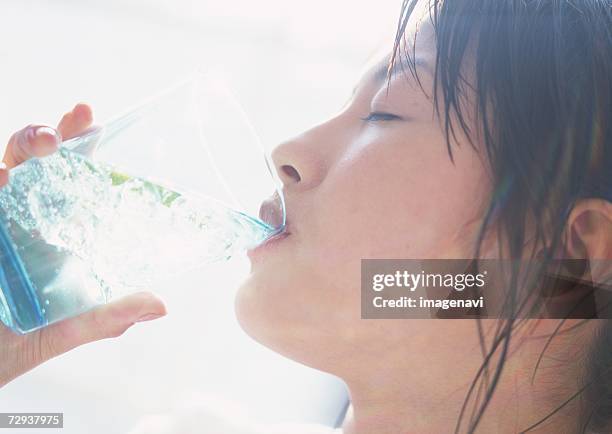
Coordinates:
(589, 230)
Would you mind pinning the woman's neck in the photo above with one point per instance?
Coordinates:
(399, 408)
(405, 392)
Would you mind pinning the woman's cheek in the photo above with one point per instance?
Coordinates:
(361, 219)
(383, 215)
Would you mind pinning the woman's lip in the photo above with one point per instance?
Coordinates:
(267, 245)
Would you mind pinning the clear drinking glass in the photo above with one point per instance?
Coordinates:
(165, 187)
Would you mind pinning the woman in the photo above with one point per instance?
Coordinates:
(484, 134)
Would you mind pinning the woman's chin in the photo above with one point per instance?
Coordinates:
(256, 309)
(270, 316)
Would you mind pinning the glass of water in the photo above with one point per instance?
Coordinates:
(165, 187)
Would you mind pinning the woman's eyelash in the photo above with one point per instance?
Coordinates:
(380, 117)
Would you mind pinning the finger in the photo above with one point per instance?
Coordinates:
(31, 141)
(76, 121)
(107, 321)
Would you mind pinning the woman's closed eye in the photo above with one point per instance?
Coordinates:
(381, 117)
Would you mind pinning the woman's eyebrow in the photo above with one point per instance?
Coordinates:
(382, 72)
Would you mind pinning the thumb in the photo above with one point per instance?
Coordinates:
(107, 321)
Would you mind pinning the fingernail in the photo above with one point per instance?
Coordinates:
(149, 317)
(36, 132)
(3, 165)
(40, 131)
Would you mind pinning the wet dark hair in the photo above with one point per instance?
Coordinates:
(543, 86)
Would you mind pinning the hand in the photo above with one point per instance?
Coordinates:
(20, 353)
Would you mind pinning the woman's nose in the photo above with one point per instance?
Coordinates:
(298, 163)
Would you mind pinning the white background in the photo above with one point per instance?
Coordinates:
(293, 63)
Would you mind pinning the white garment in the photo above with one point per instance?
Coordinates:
(211, 418)
(166, 425)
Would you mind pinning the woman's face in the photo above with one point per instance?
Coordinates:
(375, 181)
